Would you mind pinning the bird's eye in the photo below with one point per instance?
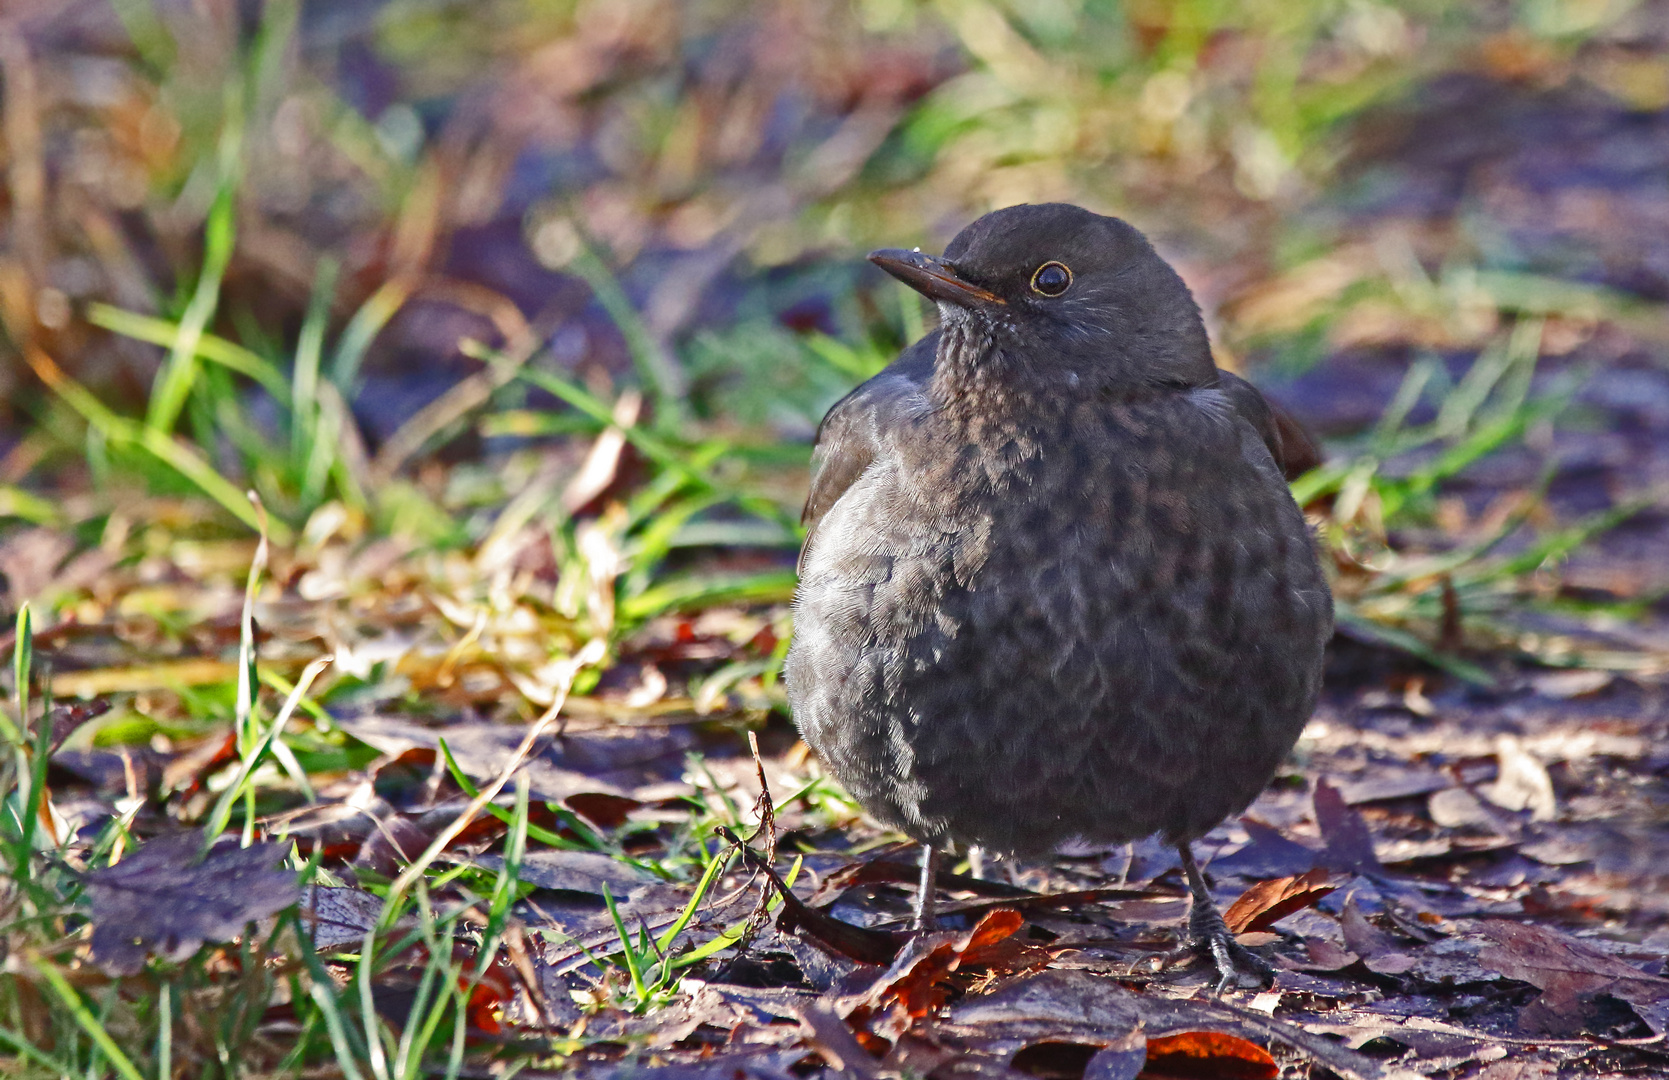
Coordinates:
(1051, 279)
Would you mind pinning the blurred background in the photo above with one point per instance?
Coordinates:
(394, 266)
(516, 319)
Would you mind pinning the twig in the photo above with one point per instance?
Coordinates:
(865, 945)
(767, 829)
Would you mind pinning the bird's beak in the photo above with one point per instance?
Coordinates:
(934, 278)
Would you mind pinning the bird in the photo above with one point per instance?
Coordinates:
(1054, 585)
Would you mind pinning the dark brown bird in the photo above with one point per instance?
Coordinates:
(1054, 585)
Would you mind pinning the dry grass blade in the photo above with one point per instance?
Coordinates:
(590, 654)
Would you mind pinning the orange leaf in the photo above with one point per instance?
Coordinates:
(1268, 902)
(1208, 1054)
(487, 999)
(997, 926)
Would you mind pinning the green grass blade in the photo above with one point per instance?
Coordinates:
(668, 937)
(26, 1049)
(304, 380)
(87, 1021)
(362, 329)
(731, 935)
(248, 677)
(322, 990)
(222, 813)
(663, 378)
(178, 372)
(634, 963)
(165, 1032)
(509, 878)
(703, 590)
(1403, 641)
(216, 350)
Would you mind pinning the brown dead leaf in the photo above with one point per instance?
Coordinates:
(917, 982)
(1268, 902)
(900, 872)
(68, 718)
(601, 809)
(1271, 854)
(834, 1040)
(1324, 956)
(338, 915)
(587, 872)
(163, 899)
(488, 998)
(395, 841)
(29, 560)
(186, 773)
(1569, 974)
(1349, 843)
(1210, 1054)
(1055, 1022)
(1378, 951)
(1360, 935)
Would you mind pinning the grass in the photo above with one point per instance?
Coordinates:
(677, 503)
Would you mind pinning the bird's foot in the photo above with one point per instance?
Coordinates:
(1210, 939)
(1209, 934)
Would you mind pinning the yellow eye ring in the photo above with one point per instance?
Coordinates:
(1052, 279)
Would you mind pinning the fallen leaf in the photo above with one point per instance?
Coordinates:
(573, 871)
(614, 761)
(1519, 1069)
(1522, 783)
(1067, 1001)
(1268, 902)
(394, 842)
(1269, 855)
(834, 1040)
(1569, 975)
(1118, 1062)
(1172, 1016)
(1360, 935)
(602, 809)
(1210, 1054)
(68, 718)
(1383, 784)
(1081, 1061)
(487, 998)
(163, 899)
(1390, 963)
(1056, 1020)
(29, 559)
(1379, 953)
(185, 774)
(899, 872)
(916, 982)
(1324, 956)
(339, 915)
(1349, 843)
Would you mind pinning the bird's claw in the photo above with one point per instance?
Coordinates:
(1210, 938)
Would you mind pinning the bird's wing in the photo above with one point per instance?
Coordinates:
(853, 431)
(1293, 449)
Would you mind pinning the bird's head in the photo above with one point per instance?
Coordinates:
(1057, 294)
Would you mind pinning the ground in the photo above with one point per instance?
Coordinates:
(406, 412)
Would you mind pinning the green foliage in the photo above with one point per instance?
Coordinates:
(1092, 99)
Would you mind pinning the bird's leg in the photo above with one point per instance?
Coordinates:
(926, 887)
(1210, 935)
(976, 862)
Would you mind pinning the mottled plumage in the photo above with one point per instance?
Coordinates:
(1054, 584)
